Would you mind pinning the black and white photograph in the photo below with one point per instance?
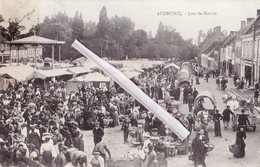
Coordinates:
(130, 83)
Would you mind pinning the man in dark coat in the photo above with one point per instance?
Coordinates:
(216, 118)
(199, 151)
(190, 102)
(98, 133)
(243, 119)
(191, 122)
(185, 95)
(195, 93)
(226, 117)
(148, 122)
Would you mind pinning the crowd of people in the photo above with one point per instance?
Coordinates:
(41, 124)
(38, 122)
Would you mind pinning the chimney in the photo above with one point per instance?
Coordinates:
(258, 12)
(249, 20)
(217, 29)
(243, 24)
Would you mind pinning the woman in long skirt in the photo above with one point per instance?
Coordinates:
(240, 137)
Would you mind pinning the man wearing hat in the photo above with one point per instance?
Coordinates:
(34, 136)
(98, 133)
(226, 117)
(139, 134)
(198, 150)
(33, 152)
(148, 122)
(47, 149)
(96, 160)
(146, 142)
(190, 102)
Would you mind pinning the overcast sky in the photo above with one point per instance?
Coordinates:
(145, 13)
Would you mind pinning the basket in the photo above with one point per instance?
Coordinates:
(233, 148)
(209, 147)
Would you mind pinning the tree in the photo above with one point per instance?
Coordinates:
(2, 29)
(58, 27)
(13, 30)
(77, 26)
(121, 29)
(103, 25)
(90, 29)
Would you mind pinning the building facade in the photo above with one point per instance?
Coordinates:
(21, 53)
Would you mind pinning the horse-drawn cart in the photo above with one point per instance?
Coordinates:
(203, 112)
(236, 106)
(251, 113)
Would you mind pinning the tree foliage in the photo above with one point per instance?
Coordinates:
(115, 37)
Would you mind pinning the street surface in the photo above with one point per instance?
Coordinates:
(220, 156)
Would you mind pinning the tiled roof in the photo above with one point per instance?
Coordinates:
(249, 28)
(210, 48)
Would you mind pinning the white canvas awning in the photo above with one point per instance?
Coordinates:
(92, 77)
(78, 70)
(131, 74)
(43, 74)
(19, 73)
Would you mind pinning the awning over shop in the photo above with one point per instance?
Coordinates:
(92, 77)
(43, 74)
(78, 70)
(131, 74)
(19, 73)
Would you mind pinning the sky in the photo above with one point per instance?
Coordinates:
(146, 14)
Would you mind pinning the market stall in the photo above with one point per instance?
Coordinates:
(92, 79)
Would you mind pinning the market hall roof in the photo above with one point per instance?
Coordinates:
(35, 40)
